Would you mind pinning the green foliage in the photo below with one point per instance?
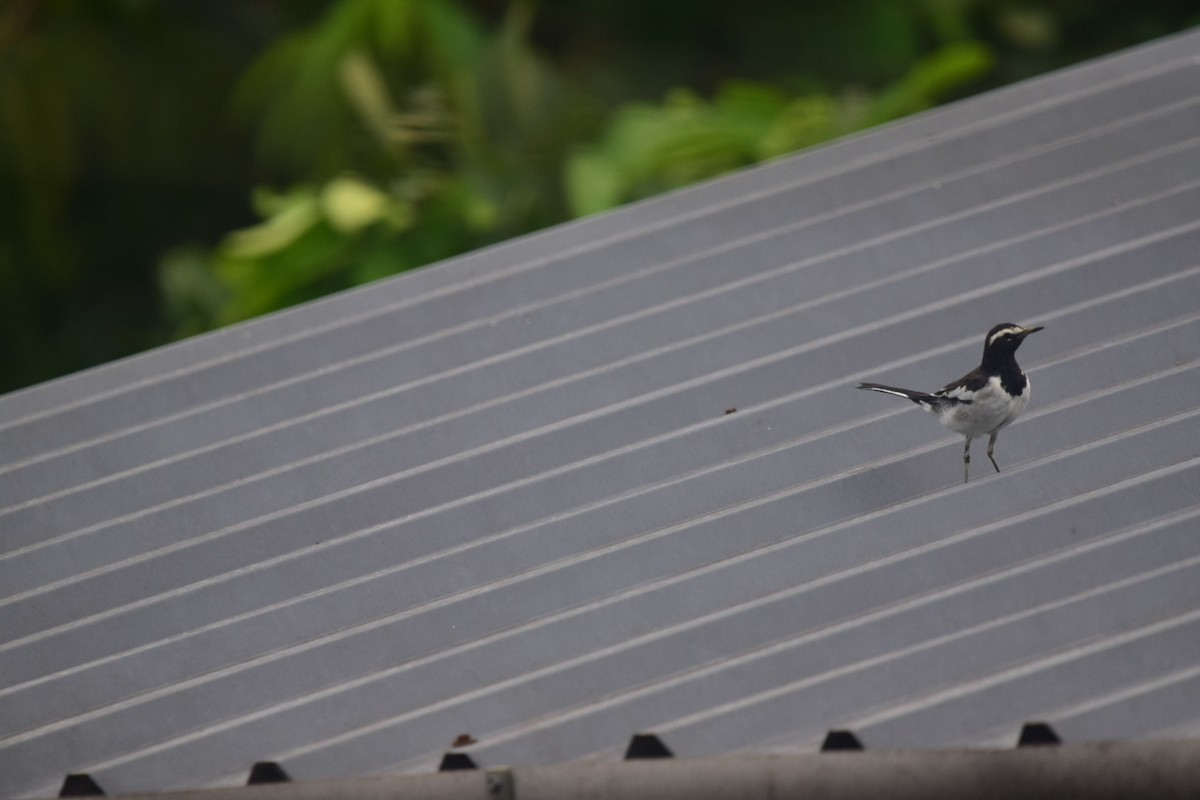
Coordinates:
(647, 149)
(421, 137)
(465, 140)
(929, 81)
(167, 168)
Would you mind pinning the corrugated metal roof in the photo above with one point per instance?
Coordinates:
(503, 496)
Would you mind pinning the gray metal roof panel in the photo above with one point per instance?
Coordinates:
(502, 495)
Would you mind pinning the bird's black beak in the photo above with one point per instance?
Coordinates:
(1028, 331)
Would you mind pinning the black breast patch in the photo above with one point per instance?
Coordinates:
(1013, 380)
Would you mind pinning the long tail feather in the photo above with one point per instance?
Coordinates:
(916, 397)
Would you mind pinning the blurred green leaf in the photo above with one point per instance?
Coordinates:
(277, 278)
(365, 88)
(351, 205)
(805, 121)
(931, 80)
(594, 182)
(278, 231)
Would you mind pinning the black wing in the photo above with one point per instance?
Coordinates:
(964, 389)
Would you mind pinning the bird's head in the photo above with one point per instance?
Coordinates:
(1005, 338)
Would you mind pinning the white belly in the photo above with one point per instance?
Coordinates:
(990, 410)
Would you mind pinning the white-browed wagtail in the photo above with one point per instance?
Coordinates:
(985, 399)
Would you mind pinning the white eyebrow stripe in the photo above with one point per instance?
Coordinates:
(998, 334)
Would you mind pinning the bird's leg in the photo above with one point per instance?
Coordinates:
(991, 447)
(966, 459)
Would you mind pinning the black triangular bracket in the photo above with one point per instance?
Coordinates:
(452, 762)
(267, 772)
(646, 745)
(80, 784)
(841, 740)
(1037, 733)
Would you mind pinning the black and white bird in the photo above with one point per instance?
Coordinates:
(985, 399)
